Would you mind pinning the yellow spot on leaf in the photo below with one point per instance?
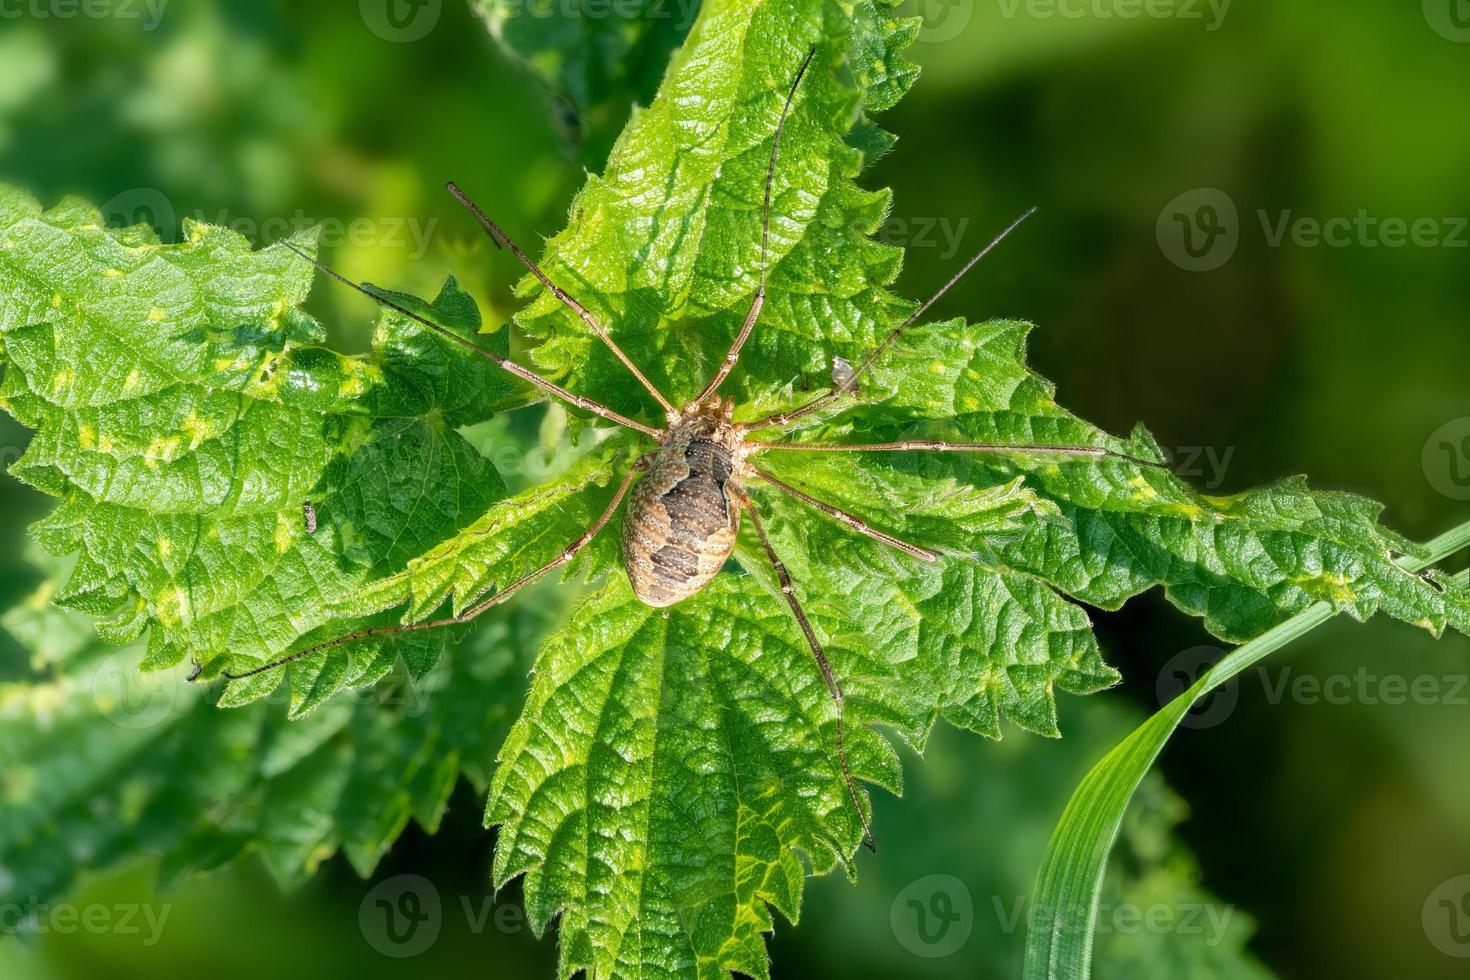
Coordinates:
(197, 430)
(163, 449)
(1142, 490)
(155, 314)
(173, 606)
(284, 535)
(165, 547)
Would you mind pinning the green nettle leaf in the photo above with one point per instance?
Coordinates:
(99, 764)
(185, 414)
(672, 776)
(591, 53)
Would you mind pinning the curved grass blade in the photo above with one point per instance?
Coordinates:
(1059, 944)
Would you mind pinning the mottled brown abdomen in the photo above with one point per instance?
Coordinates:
(683, 515)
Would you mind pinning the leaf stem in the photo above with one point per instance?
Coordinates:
(1069, 885)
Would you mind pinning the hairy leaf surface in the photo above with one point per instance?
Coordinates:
(100, 765)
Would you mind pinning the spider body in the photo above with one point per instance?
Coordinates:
(684, 514)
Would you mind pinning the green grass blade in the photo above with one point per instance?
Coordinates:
(1059, 945)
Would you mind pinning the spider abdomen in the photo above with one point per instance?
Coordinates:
(684, 513)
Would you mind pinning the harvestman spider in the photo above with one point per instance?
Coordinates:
(685, 512)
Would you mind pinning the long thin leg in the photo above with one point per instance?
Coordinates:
(850, 383)
(585, 404)
(842, 516)
(567, 299)
(496, 599)
(733, 355)
(1075, 452)
(811, 638)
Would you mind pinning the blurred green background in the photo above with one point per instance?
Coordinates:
(1329, 824)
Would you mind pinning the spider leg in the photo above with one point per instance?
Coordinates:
(843, 517)
(849, 384)
(733, 356)
(929, 445)
(567, 554)
(586, 404)
(566, 298)
(789, 592)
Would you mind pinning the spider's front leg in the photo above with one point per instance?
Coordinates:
(567, 554)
